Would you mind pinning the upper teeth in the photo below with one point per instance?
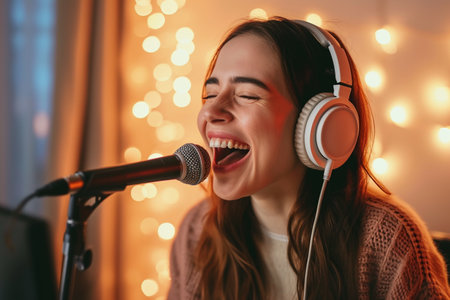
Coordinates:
(226, 143)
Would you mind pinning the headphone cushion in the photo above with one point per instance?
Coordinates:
(299, 135)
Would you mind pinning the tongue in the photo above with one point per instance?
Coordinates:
(233, 157)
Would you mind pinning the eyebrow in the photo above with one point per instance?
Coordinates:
(239, 79)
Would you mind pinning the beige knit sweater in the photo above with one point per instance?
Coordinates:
(398, 259)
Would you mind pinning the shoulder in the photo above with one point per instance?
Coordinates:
(398, 252)
(392, 215)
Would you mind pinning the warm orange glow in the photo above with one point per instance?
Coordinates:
(138, 75)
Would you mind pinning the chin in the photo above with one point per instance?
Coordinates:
(226, 194)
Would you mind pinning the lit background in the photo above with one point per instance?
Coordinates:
(402, 51)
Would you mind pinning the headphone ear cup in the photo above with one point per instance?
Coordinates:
(327, 129)
(300, 130)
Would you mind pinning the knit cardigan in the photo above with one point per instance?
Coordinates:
(397, 260)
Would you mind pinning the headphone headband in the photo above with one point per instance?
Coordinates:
(341, 65)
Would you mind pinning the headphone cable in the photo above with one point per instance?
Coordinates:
(326, 178)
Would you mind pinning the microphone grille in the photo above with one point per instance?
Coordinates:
(196, 163)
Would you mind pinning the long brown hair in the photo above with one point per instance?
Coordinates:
(227, 255)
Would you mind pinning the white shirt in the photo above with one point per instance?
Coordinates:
(283, 281)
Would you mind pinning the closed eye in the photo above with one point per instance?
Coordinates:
(249, 97)
(208, 97)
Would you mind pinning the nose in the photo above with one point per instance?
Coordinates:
(217, 110)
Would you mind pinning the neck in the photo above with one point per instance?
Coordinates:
(273, 205)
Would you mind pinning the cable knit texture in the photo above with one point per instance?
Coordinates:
(398, 259)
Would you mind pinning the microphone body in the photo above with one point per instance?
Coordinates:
(190, 164)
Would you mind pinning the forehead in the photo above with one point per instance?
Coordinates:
(249, 55)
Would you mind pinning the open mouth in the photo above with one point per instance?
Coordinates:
(227, 152)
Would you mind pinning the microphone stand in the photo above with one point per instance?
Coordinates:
(74, 253)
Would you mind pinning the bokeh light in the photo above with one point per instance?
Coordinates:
(136, 193)
(153, 99)
(444, 135)
(374, 79)
(165, 86)
(151, 44)
(383, 36)
(184, 35)
(441, 94)
(162, 72)
(169, 7)
(166, 231)
(314, 19)
(181, 84)
(181, 99)
(156, 20)
(143, 9)
(155, 118)
(149, 287)
(258, 13)
(141, 109)
(399, 115)
(180, 57)
(149, 226)
(170, 195)
(380, 166)
(169, 132)
(149, 190)
(132, 154)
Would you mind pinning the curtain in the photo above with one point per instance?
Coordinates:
(85, 128)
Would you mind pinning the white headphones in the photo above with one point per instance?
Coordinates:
(328, 126)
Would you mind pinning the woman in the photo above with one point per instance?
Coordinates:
(251, 239)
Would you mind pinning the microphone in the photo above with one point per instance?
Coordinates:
(189, 164)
